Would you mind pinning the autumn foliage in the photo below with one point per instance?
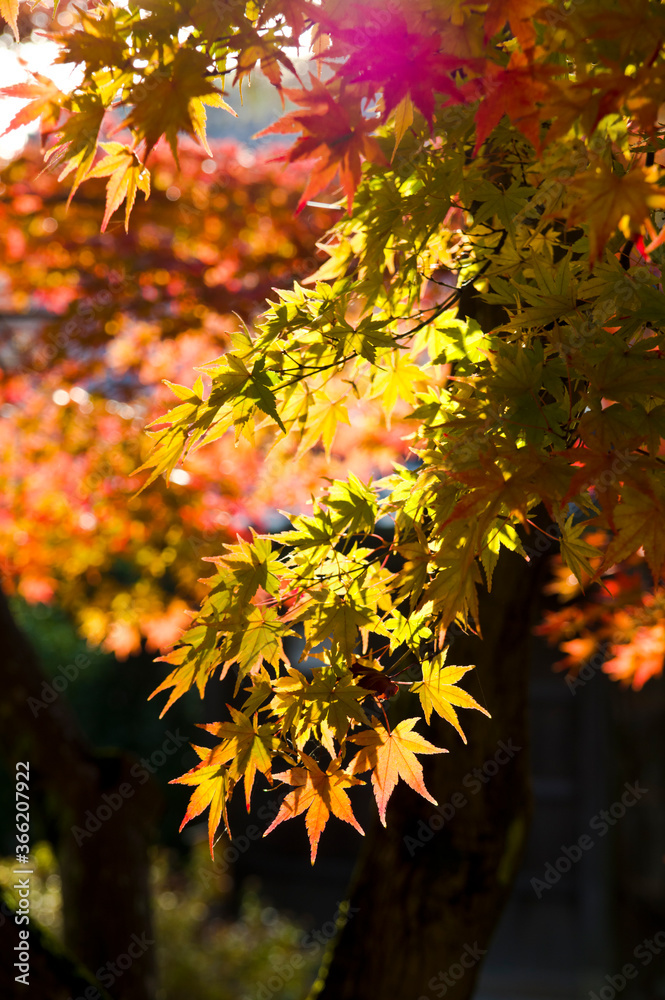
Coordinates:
(491, 288)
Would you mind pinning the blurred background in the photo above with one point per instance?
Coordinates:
(97, 582)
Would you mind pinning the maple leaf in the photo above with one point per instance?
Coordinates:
(44, 101)
(322, 423)
(126, 174)
(606, 201)
(9, 11)
(253, 48)
(95, 42)
(373, 679)
(403, 121)
(253, 638)
(453, 589)
(641, 659)
(337, 136)
(298, 14)
(197, 112)
(638, 520)
(514, 91)
(252, 566)
(391, 756)
(193, 663)
(319, 793)
(438, 691)
(169, 99)
(335, 705)
(247, 745)
(354, 505)
(518, 14)
(411, 630)
(398, 379)
(338, 618)
(75, 145)
(408, 67)
(576, 552)
(214, 789)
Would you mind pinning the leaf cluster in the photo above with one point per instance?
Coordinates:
(496, 280)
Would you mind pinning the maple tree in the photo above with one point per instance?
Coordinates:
(84, 370)
(494, 278)
(90, 326)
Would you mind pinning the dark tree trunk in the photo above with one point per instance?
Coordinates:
(99, 817)
(431, 887)
(54, 975)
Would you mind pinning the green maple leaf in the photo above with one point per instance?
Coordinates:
(354, 505)
(506, 204)
(575, 552)
(335, 704)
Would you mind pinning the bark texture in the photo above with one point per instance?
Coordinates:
(100, 835)
(430, 887)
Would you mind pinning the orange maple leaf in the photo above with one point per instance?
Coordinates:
(319, 793)
(636, 662)
(43, 101)
(516, 91)
(214, 789)
(9, 11)
(335, 135)
(518, 14)
(607, 201)
(391, 756)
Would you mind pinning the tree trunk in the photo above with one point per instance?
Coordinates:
(54, 975)
(99, 819)
(431, 886)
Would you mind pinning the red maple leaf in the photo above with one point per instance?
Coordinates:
(336, 135)
(515, 90)
(400, 63)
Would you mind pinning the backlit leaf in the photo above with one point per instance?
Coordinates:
(391, 756)
(318, 793)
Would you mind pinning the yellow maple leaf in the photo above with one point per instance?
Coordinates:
(322, 425)
(9, 11)
(438, 691)
(126, 175)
